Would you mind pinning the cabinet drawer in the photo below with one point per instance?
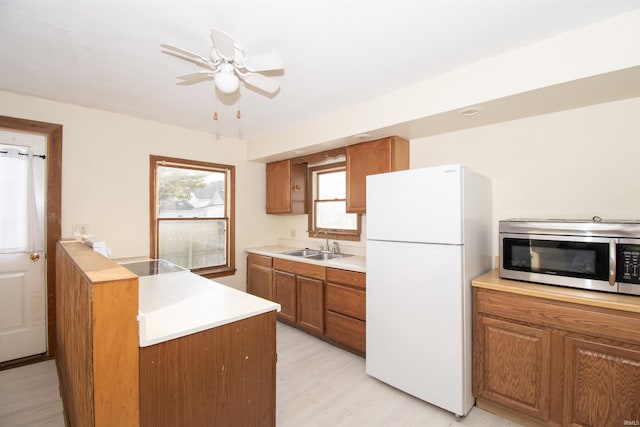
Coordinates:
(606, 323)
(300, 268)
(349, 301)
(346, 277)
(346, 330)
(262, 260)
(283, 265)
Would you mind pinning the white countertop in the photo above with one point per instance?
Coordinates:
(353, 263)
(174, 305)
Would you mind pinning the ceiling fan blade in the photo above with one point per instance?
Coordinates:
(224, 44)
(184, 52)
(264, 62)
(196, 75)
(261, 82)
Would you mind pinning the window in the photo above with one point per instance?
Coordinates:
(329, 204)
(192, 215)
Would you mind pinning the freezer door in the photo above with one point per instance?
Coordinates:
(418, 322)
(416, 205)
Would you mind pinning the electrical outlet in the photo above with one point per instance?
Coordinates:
(292, 232)
(80, 230)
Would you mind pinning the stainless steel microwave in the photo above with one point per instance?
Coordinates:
(596, 255)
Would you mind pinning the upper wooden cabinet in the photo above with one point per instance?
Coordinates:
(369, 158)
(286, 188)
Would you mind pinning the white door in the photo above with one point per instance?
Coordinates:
(22, 243)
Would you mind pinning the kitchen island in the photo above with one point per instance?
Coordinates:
(165, 350)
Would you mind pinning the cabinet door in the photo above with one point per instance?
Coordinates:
(602, 383)
(259, 276)
(512, 365)
(365, 159)
(278, 181)
(284, 286)
(286, 188)
(370, 158)
(311, 304)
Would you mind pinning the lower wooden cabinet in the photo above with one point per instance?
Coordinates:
(346, 331)
(284, 286)
(299, 289)
(345, 309)
(514, 365)
(556, 363)
(259, 276)
(327, 302)
(310, 304)
(602, 383)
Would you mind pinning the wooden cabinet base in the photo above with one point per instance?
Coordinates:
(545, 362)
(224, 376)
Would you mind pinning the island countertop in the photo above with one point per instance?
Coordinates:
(352, 263)
(492, 280)
(173, 305)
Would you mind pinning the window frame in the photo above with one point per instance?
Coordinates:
(154, 162)
(312, 185)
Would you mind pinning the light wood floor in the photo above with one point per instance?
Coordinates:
(322, 385)
(29, 396)
(317, 385)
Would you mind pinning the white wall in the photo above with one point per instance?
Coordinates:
(571, 164)
(596, 49)
(105, 175)
(576, 163)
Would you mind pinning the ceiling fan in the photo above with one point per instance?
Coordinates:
(228, 64)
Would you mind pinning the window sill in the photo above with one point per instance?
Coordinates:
(212, 273)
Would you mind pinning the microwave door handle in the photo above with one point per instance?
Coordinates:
(612, 263)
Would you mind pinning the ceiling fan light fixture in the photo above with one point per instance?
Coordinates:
(228, 64)
(226, 81)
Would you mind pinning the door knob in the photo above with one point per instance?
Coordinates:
(34, 256)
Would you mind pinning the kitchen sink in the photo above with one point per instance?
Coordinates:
(303, 252)
(327, 255)
(315, 254)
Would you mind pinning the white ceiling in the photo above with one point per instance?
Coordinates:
(337, 53)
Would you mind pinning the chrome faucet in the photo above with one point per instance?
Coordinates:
(336, 247)
(326, 235)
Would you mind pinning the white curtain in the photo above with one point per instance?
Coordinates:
(21, 200)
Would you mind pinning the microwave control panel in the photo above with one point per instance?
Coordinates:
(628, 263)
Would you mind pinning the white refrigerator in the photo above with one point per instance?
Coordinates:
(428, 235)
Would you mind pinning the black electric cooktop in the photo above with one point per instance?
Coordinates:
(152, 267)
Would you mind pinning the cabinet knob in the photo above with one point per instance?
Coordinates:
(296, 187)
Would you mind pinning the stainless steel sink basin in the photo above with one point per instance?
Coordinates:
(303, 252)
(315, 254)
(325, 256)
